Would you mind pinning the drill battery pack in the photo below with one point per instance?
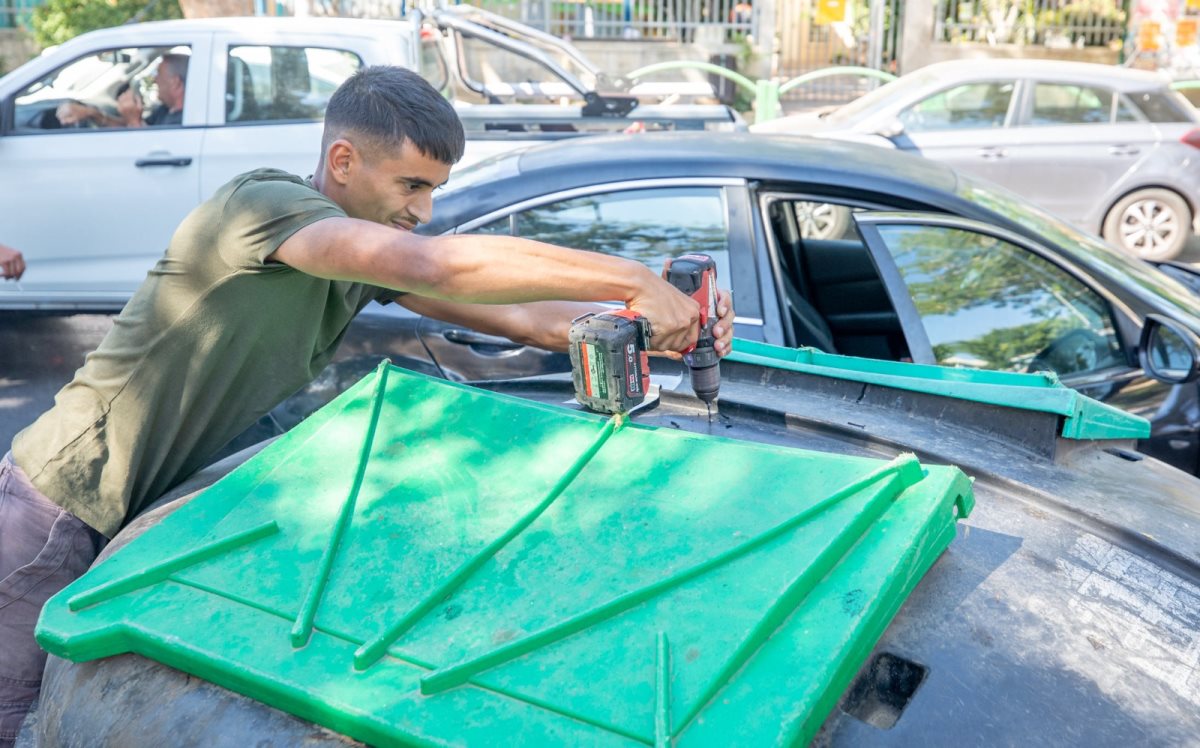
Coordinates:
(608, 360)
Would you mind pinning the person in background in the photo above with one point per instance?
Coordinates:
(170, 79)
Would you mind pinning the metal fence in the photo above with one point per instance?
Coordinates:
(1054, 23)
(869, 37)
(677, 20)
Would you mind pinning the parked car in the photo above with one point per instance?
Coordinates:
(92, 208)
(1110, 149)
(934, 267)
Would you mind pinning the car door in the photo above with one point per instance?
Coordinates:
(1074, 142)
(92, 208)
(965, 126)
(973, 295)
(268, 100)
(643, 221)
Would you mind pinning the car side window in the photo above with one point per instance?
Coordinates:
(1070, 104)
(970, 106)
(648, 225)
(113, 88)
(264, 84)
(1162, 106)
(989, 304)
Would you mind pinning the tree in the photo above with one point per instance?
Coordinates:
(56, 21)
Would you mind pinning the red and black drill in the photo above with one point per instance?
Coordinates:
(696, 276)
(609, 364)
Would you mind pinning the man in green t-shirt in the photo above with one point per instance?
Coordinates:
(248, 304)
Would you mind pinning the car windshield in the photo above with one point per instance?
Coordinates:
(1089, 250)
(898, 89)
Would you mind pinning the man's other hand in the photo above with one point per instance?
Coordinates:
(73, 112)
(130, 107)
(12, 264)
(723, 331)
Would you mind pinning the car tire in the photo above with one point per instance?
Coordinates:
(1152, 223)
(822, 220)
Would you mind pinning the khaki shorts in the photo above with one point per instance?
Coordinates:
(43, 548)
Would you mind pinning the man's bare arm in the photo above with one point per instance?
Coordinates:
(543, 324)
(488, 269)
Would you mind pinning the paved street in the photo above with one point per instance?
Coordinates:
(39, 355)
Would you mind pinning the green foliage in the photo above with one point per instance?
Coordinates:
(1087, 22)
(56, 21)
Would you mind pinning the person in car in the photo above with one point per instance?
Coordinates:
(12, 263)
(170, 80)
(250, 301)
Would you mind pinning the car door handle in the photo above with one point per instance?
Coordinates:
(1124, 150)
(142, 163)
(470, 337)
(991, 153)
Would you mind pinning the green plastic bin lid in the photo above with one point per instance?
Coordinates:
(424, 562)
(1082, 417)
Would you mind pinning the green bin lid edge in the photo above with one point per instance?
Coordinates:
(1083, 417)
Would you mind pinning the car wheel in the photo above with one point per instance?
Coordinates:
(822, 220)
(1153, 224)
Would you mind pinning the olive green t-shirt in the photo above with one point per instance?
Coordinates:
(215, 337)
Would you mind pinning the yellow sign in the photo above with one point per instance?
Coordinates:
(832, 11)
(1147, 38)
(1193, 4)
(1185, 32)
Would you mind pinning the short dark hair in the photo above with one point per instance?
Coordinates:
(389, 105)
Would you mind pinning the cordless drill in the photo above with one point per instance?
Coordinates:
(609, 364)
(696, 276)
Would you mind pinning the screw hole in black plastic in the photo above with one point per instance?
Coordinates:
(1125, 454)
(883, 689)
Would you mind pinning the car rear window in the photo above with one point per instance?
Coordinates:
(1162, 106)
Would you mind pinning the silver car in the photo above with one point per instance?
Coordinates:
(1114, 150)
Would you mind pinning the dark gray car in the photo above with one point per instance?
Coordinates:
(1110, 149)
(933, 267)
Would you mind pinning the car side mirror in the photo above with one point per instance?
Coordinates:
(893, 128)
(1168, 351)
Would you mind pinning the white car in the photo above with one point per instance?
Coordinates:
(92, 208)
(1113, 150)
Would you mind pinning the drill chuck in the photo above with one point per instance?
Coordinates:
(696, 276)
(706, 373)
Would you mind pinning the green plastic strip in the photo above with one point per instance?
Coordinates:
(458, 674)
(370, 652)
(1083, 417)
(160, 571)
(903, 473)
(662, 692)
(302, 629)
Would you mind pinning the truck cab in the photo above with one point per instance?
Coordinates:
(92, 201)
